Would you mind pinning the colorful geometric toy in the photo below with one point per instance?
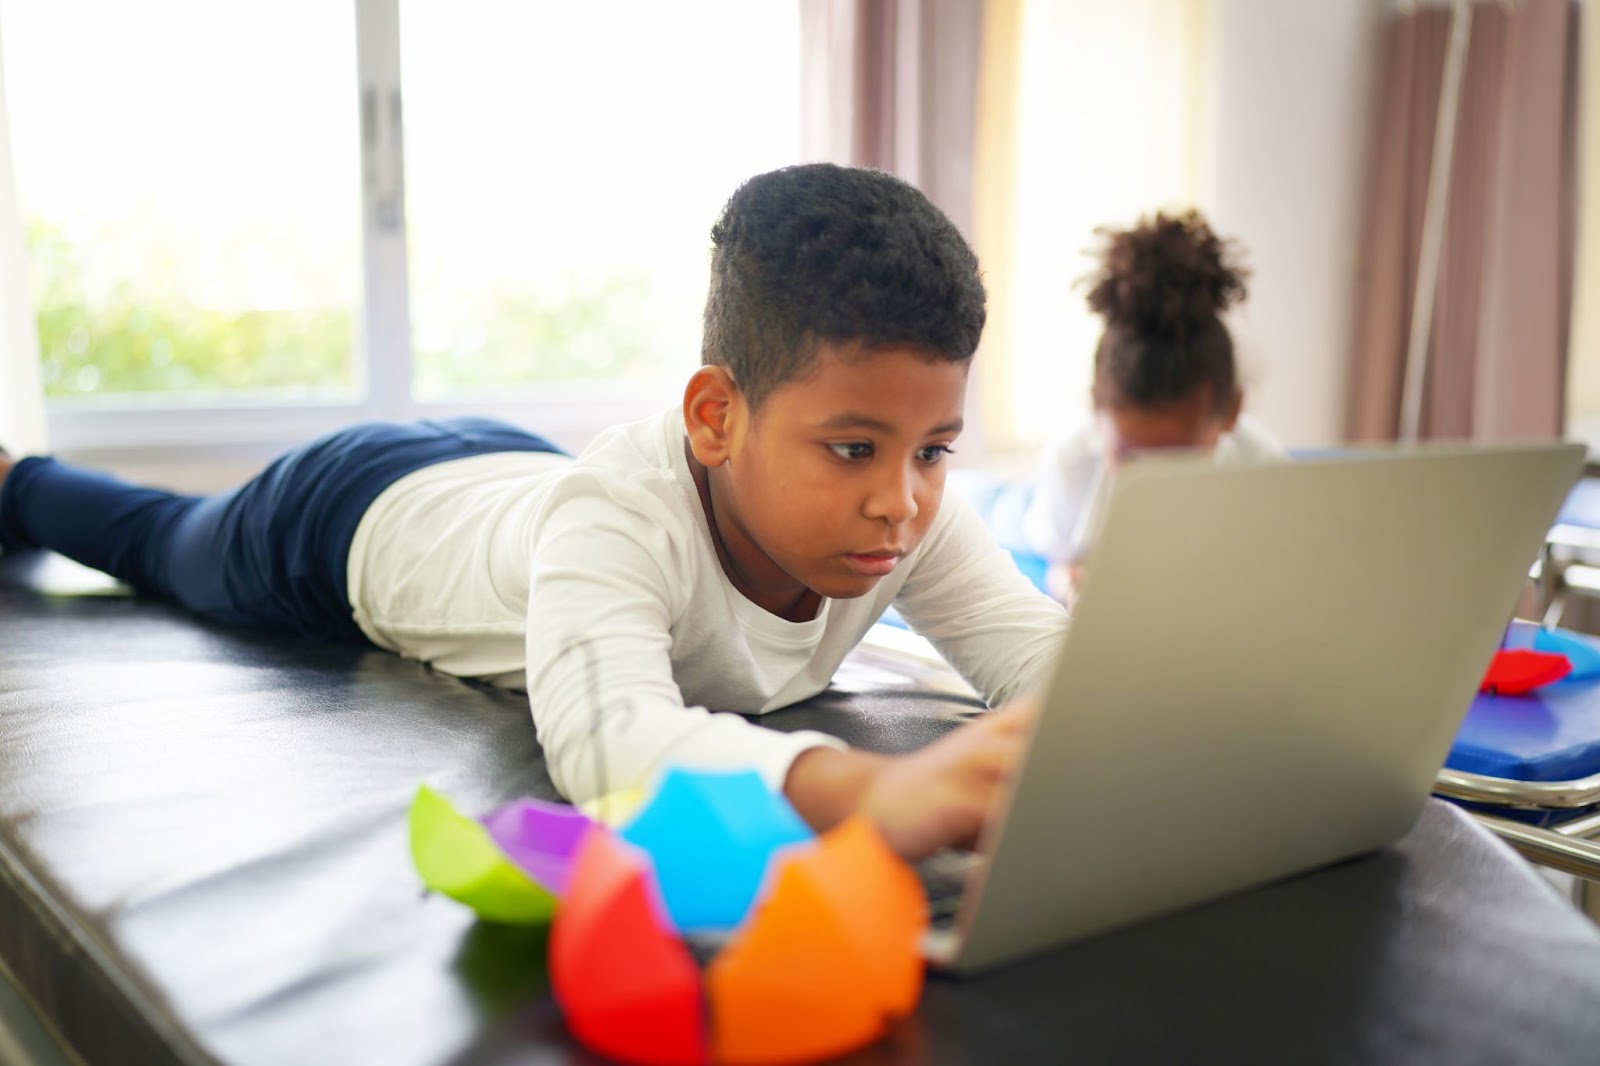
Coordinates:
(827, 961)
(626, 983)
(541, 838)
(823, 946)
(457, 857)
(712, 837)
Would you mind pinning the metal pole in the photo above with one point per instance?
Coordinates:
(1580, 858)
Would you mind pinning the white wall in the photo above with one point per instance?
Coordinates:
(1289, 96)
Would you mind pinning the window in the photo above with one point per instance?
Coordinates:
(191, 205)
(230, 240)
(564, 163)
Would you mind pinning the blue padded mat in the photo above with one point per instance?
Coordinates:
(1582, 507)
(1551, 734)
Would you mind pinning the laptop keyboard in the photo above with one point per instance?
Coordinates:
(944, 877)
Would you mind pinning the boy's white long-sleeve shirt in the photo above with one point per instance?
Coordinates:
(594, 584)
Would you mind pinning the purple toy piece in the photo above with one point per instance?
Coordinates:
(541, 838)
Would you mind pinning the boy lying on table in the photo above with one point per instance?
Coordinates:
(727, 553)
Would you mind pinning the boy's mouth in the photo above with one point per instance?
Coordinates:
(873, 564)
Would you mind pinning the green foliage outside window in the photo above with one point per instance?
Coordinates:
(139, 336)
(132, 339)
(596, 330)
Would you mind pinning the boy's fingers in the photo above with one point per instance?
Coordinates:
(997, 758)
(1017, 714)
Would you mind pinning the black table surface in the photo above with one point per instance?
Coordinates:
(203, 859)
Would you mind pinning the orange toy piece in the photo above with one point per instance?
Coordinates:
(827, 961)
(626, 983)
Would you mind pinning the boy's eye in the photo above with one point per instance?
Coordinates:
(934, 453)
(854, 450)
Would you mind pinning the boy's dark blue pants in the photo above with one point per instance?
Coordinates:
(270, 554)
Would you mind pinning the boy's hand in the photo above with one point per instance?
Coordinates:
(1062, 581)
(939, 796)
(944, 794)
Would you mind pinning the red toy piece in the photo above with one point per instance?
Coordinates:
(1513, 673)
(626, 984)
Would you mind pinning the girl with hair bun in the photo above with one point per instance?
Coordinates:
(1164, 378)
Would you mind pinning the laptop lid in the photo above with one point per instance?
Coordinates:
(1265, 669)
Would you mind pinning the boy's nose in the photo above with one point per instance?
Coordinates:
(894, 498)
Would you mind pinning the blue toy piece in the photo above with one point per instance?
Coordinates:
(1583, 655)
(711, 835)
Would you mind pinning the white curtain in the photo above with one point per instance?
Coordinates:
(22, 423)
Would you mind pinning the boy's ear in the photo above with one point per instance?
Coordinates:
(713, 407)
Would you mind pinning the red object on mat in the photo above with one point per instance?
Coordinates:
(1511, 673)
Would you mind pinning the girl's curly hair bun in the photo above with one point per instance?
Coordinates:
(1164, 275)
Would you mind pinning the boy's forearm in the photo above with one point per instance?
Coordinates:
(827, 785)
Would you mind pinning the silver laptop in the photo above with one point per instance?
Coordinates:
(1265, 668)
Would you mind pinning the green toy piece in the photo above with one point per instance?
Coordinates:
(456, 857)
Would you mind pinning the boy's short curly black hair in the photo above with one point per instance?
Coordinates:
(817, 253)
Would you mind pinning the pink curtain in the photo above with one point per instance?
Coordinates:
(1498, 341)
(893, 84)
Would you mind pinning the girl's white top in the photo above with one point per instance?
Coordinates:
(1073, 481)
